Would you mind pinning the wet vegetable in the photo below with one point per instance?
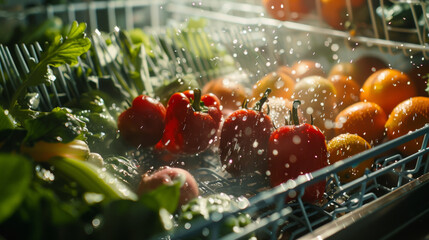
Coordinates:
(124, 169)
(101, 127)
(289, 9)
(167, 176)
(192, 122)
(295, 150)
(48, 134)
(244, 139)
(92, 178)
(50, 208)
(142, 125)
(180, 84)
(60, 51)
(42, 151)
(205, 208)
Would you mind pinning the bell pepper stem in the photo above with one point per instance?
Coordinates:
(260, 103)
(197, 99)
(295, 118)
(245, 103)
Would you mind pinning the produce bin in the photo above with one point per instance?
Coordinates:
(244, 41)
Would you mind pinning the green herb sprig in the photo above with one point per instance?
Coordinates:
(61, 51)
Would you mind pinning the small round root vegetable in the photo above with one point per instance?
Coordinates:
(168, 175)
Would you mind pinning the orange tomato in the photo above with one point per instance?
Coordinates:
(306, 68)
(230, 92)
(365, 119)
(387, 88)
(288, 9)
(334, 12)
(348, 90)
(346, 69)
(282, 85)
(408, 116)
(344, 146)
(318, 99)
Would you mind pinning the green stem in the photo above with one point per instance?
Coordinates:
(16, 95)
(295, 118)
(197, 99)
(260, 103)
(26, 83)
(245, 103)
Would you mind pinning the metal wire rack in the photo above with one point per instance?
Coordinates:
(258, 45)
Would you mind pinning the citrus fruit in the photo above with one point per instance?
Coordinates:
(318, 99)
(348, 90)
(346, 69)
(306, 68)
(344, 146)
(281, 85)
(230, 92)
(334, 12)
(365, 119)
(408, 116)
(288, 9)
(387, 88)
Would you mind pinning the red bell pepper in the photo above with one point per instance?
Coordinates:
(244, 139)
(142, 125)
(191, 122)
(295, 150)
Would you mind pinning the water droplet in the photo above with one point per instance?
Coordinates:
(188, 225)
(292, 158)
(296, 139)
(96, 222)
(248, 131)
(275, 152)
(292, 193)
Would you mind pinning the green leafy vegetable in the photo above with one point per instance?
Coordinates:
(61, 51)
(59, 125)
(101, 127)
(92, 178)
(165, 196)
(44, 216)
(126, 170)
(179, 84)
(14, 183)
(148, 217)
(6, 120)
